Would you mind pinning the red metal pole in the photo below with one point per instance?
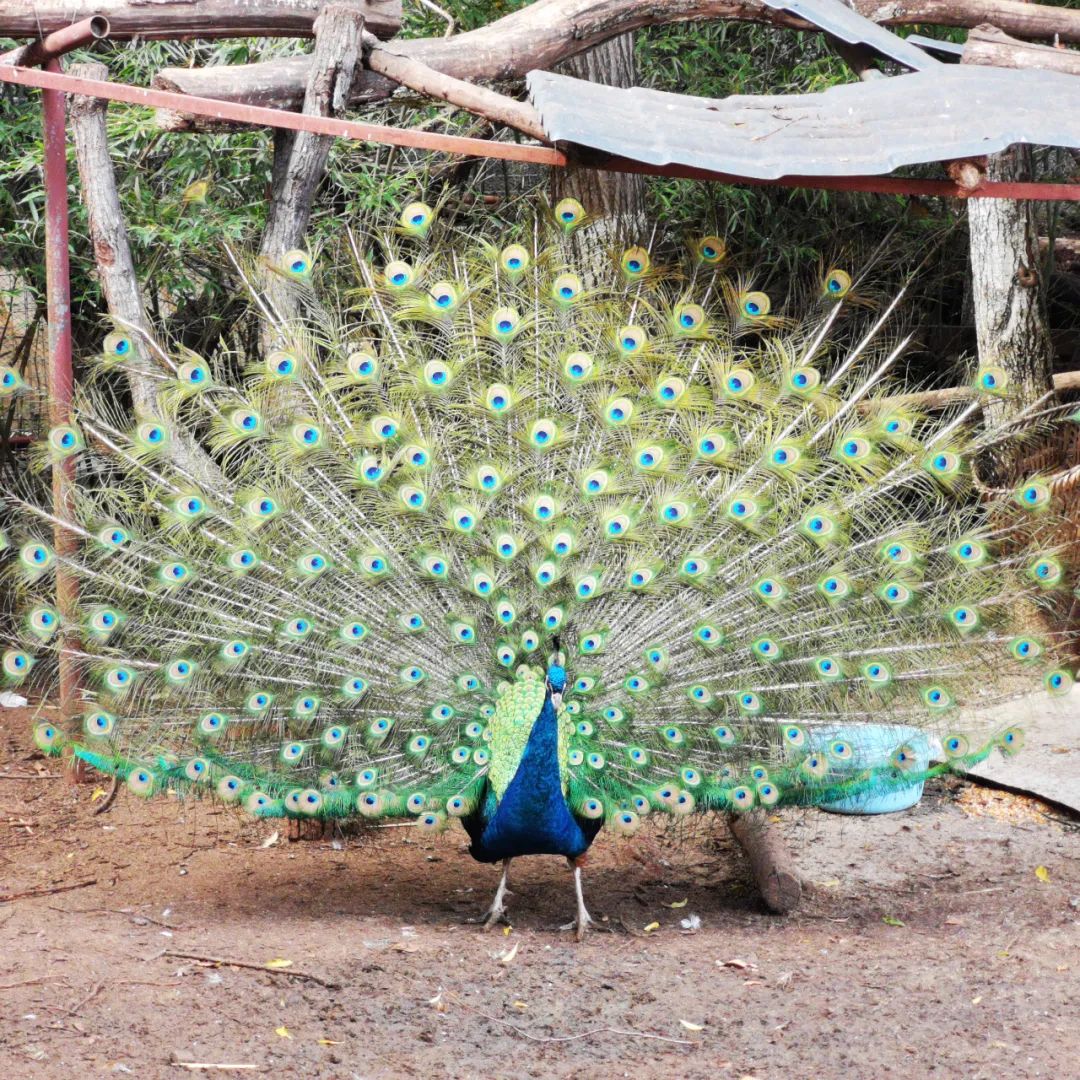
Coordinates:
(61, 387)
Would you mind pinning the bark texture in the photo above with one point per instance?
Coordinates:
(112, 256)
(619, 197)
(1007, 286)
(992, 47)
(770, 860)
(155, 19)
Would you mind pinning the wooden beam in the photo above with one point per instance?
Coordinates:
(388, 60)
(549, 31)
(156, 19)
(991, 47)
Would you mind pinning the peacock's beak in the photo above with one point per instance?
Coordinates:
(556, 700)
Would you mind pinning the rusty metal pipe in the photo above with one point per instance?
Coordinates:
(61, 387)
(59, 42)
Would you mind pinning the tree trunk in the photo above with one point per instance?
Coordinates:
(1008, 289)
(116, 269)
(770, 860)
(614, 201)
(300, 157)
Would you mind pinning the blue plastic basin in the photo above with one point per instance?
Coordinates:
(873, 745)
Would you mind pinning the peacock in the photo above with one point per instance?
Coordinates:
(537, 535)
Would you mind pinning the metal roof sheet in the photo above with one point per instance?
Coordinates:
(858, 129)
(841, 21)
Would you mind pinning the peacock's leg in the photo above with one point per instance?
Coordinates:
(583, 920)
(497, 912)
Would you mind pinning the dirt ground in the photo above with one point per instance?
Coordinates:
(943, 942)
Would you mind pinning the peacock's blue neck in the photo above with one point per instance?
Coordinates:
(532, 817)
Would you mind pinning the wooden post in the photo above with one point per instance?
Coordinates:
(116, 269)
(300, 157)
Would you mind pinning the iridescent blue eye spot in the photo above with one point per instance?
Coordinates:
(962, 614)
(386, 430)
(989, 381)
(708, 446)
(634, 265)
(667, 393)
(67, 439)
(691, 567)
(196, 375)
(637, 578)
(686, 320)
(504, 326)
(1055, 681)
(892, 426)
(417, 219)
(566, 292)
(298, 266)
(1031, 495)
(317, 562)
(260, 699)
(935, 696)
(752, 307)
(799, 380)
(629, 343)
(178, 571)
(19, 661)
(709, 252)
(826, 665)
(373, 472)
(365, 367)
(647, 458)
(734, 383)
(284, 366)
(248, 422)
(122, 346)
(851, 448)
(893, 592)
(107, 619)
(266, 506)
(967, 551)
(941, 461)
(444, 300)
(377, 564)
(552, 620)
(816, 524)
(542, 436)
(307, 703)
(584, 589)
(513, 262)
(832, 585)
(416, 499)
(705, 634)
(437, 567)
(615, 528)
(895, 551)
(116, 537)
(398, 278)
(310, 435)
(498, 401)
(1043, 570)
(767, 588)
(874, 671)
(465, 521)
(780, 457)
(739, 508)
(506, 549)
(617, 413)
(38, 555)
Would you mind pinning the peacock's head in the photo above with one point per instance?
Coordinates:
(556, 682)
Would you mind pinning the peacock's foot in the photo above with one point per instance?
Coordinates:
(497, 912)
(580, 925)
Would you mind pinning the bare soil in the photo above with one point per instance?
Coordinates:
(942, 942)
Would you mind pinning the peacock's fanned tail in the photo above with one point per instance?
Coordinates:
(746, 550)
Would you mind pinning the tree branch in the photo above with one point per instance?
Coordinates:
(156, 19)
(549, 31)
(389, 61)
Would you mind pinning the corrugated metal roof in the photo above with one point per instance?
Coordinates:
(859, 129)
(848, 25)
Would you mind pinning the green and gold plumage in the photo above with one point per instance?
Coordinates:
(484, 452)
